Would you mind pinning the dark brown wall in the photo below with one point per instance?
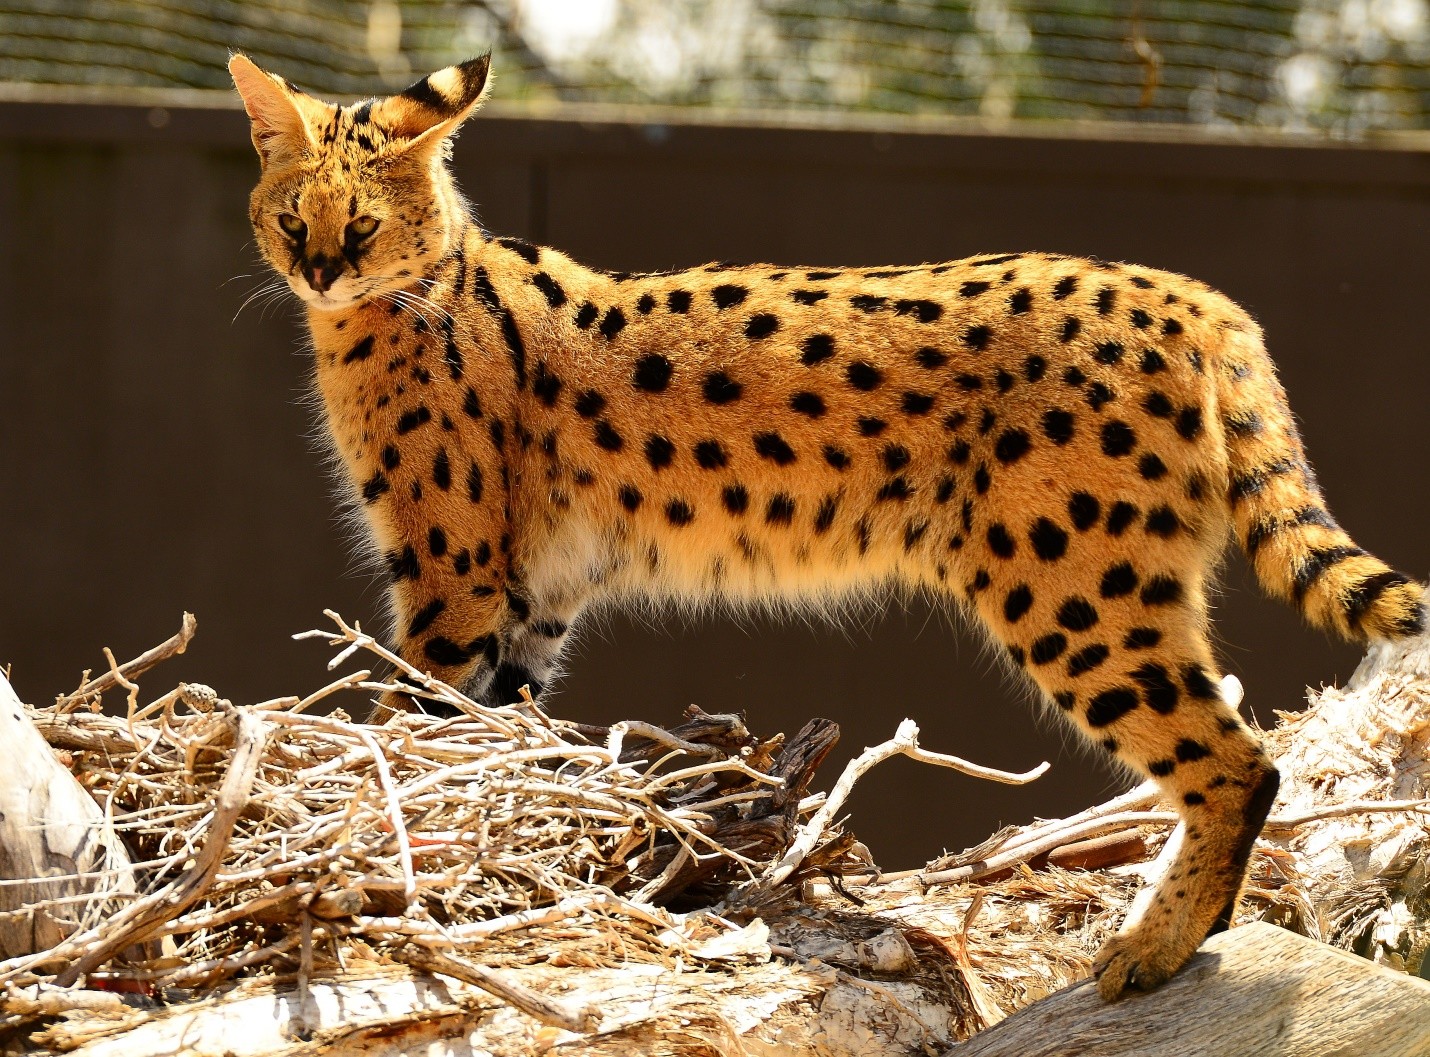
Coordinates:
(154, 451)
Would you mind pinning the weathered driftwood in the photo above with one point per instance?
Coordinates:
(64, 865)
(1257, 989)
(918, 962)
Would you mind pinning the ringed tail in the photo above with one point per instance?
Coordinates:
(1299, 551)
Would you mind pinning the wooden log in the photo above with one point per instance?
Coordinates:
(54, 839)
(1255, 989)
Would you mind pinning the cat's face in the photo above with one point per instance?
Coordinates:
(355, 202)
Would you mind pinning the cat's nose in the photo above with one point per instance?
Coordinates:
(320, 273)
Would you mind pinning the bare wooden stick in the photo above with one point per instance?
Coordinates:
(905, 742)
(170, 647)
(534, 1004)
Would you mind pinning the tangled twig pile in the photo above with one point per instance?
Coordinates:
(414, 833)
(548, 864)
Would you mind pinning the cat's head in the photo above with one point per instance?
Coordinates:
(354, 202)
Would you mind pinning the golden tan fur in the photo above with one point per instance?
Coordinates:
(1063, 444)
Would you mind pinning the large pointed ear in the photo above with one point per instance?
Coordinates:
(275, 110)
(431, 109)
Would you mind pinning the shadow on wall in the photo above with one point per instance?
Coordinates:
(158, 457)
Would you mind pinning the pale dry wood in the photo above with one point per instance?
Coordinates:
(800, 977)
(119, 674)
(1257, 990)
(61, 865)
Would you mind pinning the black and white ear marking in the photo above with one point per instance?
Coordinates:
(433, 107)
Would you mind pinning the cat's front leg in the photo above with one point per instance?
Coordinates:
(449, 629)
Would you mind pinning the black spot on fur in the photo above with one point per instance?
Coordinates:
(659, 451)
(1163, 521)
(735, 498)
(441, 470)
(1110, 705)
(1034, 367)
(1077, 614)
(1017, 603)
(1020, 302)
(868, 426)
(1049, 541)
(923, 311)
(916, 403)
(679, 513)
(720, 388)
(1119, 580)
(824, 517)
(807, 403)
(1064, 287)
(652, 373)
(1084, 509)
(1151, 467)
(361, 351)
(930, 358)
(1058, 426)
(678, 301)
(410, 420)
(550, 289)
(1161, 590)
(374, 487)
(631, 497)
(1120, 517)
(1000, 542)
(780, 509)
(1117, 438)
(403, 565)
(1048, 648)
(1108, 352)
(761, 326)
(896, 488)
(895, 457)
(808, 297)
(1071, 326)
(710, 455)
(973, 289)
(545, 385)
(1142, 639)
(607, 437)
(1189, 423)
(773, 447)
(1012, 445)
(863, 376)
(977, 338)
(835, 457)
(424, 617)
(1087, 659)
(728, 295)
(816, 349)
(590, 404)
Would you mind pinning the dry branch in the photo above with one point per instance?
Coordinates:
(544, 871)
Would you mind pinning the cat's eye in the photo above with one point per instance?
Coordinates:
(363, 226)
(292, 225)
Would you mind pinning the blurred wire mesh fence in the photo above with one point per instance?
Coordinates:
(1338, 67)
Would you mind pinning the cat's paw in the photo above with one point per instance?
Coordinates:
(1137, 960)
